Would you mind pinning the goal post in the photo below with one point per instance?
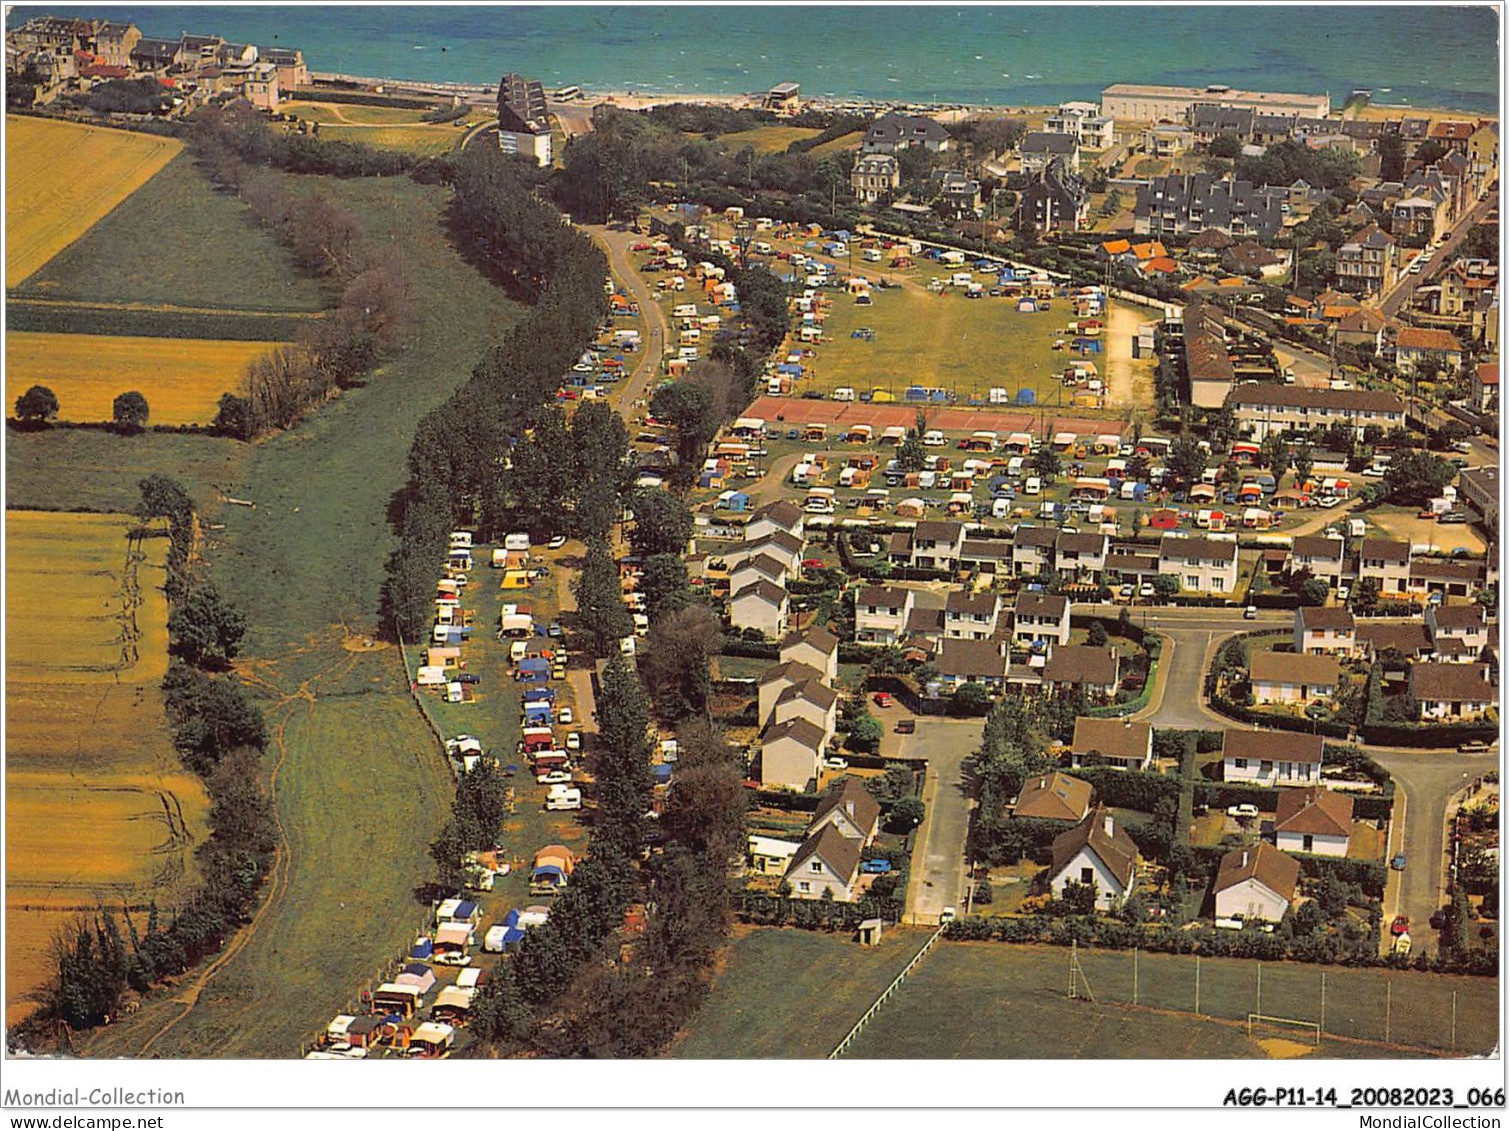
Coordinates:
(1288, 1025)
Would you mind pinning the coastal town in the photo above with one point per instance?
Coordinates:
(890, 559)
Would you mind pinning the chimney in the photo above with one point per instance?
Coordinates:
(849, 806)
(1107, 823)
(1245, 858)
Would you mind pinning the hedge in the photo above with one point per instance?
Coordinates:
(1129, 789)
(815, 914)
(241, 326)
(1426, 736)
(359, 98)
(1369, 875)
(784, 799)
(749, 649)
(1331, 729)
(1366, 806)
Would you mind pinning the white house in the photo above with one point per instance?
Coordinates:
(812, 701)
(1314, 820)
(1284, 677)
(1033, 550)
(937, 545)
(970, 616)
(1257, 882)
(1080, 557)
(757, 567)
(1038, 616)
(851, 809)
(1271, 757)
(770, 856)
(817, 648)
(881, 613)
(827, 863)
(972, 661)
(1387, 562)
(1200, 565)
(1118, 742)
(1098, 853)
(778, 544)
(1320, 631)
(780, 515)
(1457, 631)
(1323, 557)
(761, 606)
(790, 754)
(777, 679)
(1451, 691)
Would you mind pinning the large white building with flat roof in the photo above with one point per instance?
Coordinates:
(1145, 103)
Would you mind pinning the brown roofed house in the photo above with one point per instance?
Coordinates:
(1118, 742)
(1271, 757)
(1314, 820)
(1054, 796)
(1285, 677)
(1098, 853)
(827, 863)
(850, 808)
(1257, 882)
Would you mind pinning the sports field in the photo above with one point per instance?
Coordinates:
(767, 139)
(386, 127)
(98, 808)
(789, 993)
(61, 178)
(182, 378)
(178, 242)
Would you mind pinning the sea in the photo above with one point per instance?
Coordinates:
(1427, 55)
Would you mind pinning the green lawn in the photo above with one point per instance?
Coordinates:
(362, 787)
(91, 469)
(942, 340)
(328, 112)
(178, 241)
(991, 1000)
(790, 993)
(767, 139)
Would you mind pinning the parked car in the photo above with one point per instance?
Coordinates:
(1250, 613)
(1242, 812)
(554, 777)
(564, 716)
(1474, 747)
(1397, 862)
(555, 630)
(1453, 517)
(877, 867)
(574, 740)
(469, 677)
(947, 915)
(883, 699)
(557, 542)
(1400, 926)
(907, 726)
(835, 764)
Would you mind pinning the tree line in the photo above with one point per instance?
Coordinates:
(219, 735)
(374, 312)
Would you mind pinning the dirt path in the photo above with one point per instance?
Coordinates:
(1129, 383)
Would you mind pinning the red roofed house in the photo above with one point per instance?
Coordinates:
(1414, 345)
(1485, 385)
(1314, 820)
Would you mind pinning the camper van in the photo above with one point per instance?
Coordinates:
(820, 500)
(844, 393)
(516, 542)
(933, 438)
(563, 798)
(802, 474)
(1033, 486)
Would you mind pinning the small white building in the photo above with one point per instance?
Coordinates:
(1257, 882)
(1271, 757)
(769, 856)
(1313, 820)
(828, 863)
(1095, 852)
(762, 606)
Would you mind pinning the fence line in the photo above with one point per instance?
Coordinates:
(875, 1006)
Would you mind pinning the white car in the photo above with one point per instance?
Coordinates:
(557, 542)
(626, 646)
(564, 716)
(835, 764)
(1242, 812)
(574, 741)
(1342, 593)
(554, 777)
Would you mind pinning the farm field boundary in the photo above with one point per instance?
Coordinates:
(182, 378)
(62, 178)
(57, 316)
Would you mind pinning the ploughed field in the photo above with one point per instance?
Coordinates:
(98, 808)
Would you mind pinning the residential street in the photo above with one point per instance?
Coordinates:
(1427, 782)
(938, 854)
(648, 364)
(1406, 287)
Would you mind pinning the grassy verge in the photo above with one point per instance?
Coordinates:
(361, 787)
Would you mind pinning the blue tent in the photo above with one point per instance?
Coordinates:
(418, 969)
(512, 937)
(534, 670)
(999, 483)
(940, 395)
(788, 369)
(548, 874)
(540, 694)
(537, 714)
(465, 910)
(422, 949)
(661, 774)
(1026, 396)
(915, 393)
(512, 918)
(840, 234)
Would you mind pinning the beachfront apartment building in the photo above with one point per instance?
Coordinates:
(524, 126)
(1082, 120)
(1142, 102)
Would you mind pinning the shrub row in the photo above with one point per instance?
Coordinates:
(228, 325)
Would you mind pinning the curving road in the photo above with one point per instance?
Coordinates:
(616, 245)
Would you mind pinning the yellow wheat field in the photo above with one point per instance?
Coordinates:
(98, 807)
(62, 178)
(182, 378)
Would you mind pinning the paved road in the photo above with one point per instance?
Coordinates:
(1427, 782)
(938, 854)
(616, 244)
(1435, 261)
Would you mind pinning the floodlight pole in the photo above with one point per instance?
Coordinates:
(1197, 984)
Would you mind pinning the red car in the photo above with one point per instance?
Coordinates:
(812, 563)
(641, 246)
(1400, 926)
(883, 699)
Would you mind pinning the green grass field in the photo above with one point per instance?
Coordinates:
(948, 341)
(331, 112)
(790, 993)
(423, 140)
(91, 469)
(988, 1000)
(767, 139)
(178, 241)
(361, 785)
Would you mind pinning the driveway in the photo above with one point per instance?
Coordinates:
(938, 852)
(1425, 784)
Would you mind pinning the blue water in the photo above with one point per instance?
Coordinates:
(1422, 56)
